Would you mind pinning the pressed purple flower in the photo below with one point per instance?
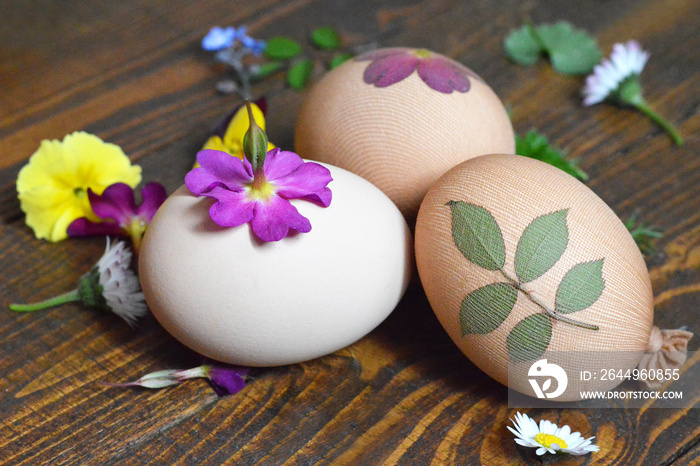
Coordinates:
(389, 66)
(219, 38)
(121, 215)
(260, 197)
(224, 379)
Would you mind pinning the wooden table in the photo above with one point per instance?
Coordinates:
(133, 73)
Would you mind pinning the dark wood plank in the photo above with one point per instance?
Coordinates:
(132, 72)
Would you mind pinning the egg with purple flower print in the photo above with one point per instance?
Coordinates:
(400, 118)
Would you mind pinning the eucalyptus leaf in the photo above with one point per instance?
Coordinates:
(325, 38)
(522, 47)
(477, 235)
(485, 309)
(282, 48)
(542, 244)
(580, 287)
(530, 338)
(571, 50)
(299, 74)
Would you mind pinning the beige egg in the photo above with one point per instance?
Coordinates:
(400, 118)
(232, 298)
(521, 262)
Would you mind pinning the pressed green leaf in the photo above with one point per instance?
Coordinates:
(571, 50)
(477, 235)
(485, 309)
(522, 47)
(325, 38)
(339, 59)
(530, 338)
(536, 146)
(299, 74)
(265, 70)
(282, 48)
(542, 244)
(580, 287)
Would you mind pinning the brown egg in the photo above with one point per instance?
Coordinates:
(400, 118)
(521, 262)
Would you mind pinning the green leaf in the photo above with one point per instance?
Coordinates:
(580, 287)
(266, 69)
(530, 338)
(339, 59)
(325, 38)
(643, 234)
(485, 309)
(571, 50)
(542, 244)
(282, 48)
(536, 146)
(299, 74)
(522, 47)
(477, 235)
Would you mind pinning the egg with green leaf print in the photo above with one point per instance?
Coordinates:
(521, 262)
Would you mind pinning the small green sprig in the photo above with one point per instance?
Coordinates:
(643, 235)
(536, 146)
(284, 52)
(570, 50)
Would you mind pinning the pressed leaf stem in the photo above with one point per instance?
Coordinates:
(51, 302)
(553, 314)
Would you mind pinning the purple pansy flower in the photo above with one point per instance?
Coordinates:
(440, 73)
(121, 215)
(224, 379)
(219, 38)
(260, 197)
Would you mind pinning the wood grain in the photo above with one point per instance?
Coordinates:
(132, 72)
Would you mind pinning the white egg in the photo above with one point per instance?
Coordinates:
(228, 296)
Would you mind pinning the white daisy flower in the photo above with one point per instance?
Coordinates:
(626, 60)
(110, 285)
(120, 285)
(617, 79)
(548, 438)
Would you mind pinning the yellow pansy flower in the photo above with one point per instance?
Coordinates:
(232, 142)
(53, 186)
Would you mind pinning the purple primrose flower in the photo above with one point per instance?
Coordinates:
(260, 197)
(121, 215)
(389, 66)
